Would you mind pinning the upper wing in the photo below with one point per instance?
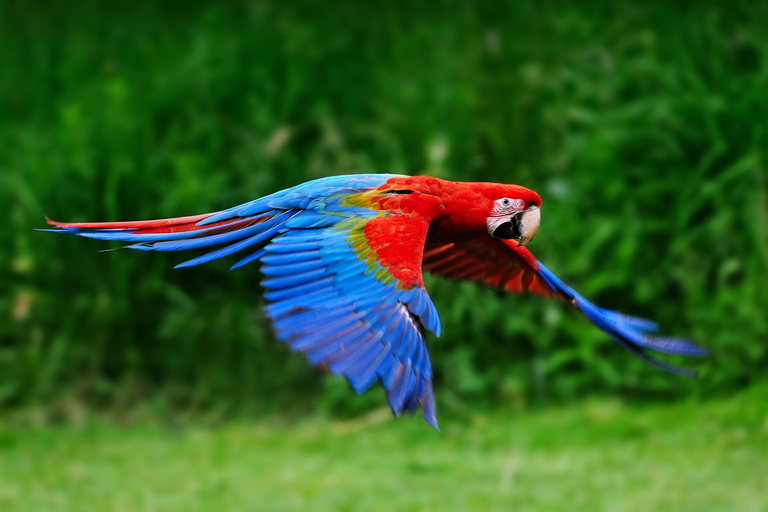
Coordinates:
(344, 283)
(506, 265)
(248, 225)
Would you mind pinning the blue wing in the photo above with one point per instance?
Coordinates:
(347, 313)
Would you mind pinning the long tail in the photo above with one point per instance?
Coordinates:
(234, 231)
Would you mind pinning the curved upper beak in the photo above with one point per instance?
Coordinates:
(529, 223)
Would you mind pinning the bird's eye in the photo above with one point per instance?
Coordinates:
(506, 202)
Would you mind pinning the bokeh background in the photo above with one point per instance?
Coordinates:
(127, 385)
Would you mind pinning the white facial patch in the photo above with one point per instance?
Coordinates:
(501, 212)
(506, 206)
(495, 222)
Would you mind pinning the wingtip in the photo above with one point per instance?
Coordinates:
(431, 421)
(677, 346)
(664, 345)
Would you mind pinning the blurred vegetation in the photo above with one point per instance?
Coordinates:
(644, 127)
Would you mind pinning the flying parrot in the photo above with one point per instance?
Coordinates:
(343, 260)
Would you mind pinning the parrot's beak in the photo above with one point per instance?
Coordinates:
(521, 226)
(529, 221)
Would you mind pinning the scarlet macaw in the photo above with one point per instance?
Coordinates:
(342, 259)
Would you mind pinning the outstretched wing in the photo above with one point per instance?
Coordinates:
(351, 297)
(506, 265)
(343, 282)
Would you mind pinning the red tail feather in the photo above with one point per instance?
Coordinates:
(150, 226)
(173, 225)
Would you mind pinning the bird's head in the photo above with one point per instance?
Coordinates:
(515, 216)
(509, 212)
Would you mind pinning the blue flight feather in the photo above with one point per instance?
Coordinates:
(287, 259)
(321, 352)
(364, 370)
(249, 259)
(231, 249)
(325, 284)
(386, 369)
(292, 268)
(279, 283)
(402, 389)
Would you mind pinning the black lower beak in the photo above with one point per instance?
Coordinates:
(511, 229)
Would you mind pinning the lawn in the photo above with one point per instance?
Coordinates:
(596, 455)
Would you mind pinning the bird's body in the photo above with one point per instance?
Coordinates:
(342, 259)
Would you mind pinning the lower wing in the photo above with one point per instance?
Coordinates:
(505, 264)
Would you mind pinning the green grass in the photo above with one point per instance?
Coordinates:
(596, 455)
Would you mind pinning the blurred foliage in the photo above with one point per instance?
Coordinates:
(644, 127)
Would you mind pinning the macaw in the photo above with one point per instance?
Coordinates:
(342, 259)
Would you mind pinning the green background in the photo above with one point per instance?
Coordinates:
(644, 127)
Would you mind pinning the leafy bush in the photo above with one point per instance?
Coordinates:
(643, 127)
